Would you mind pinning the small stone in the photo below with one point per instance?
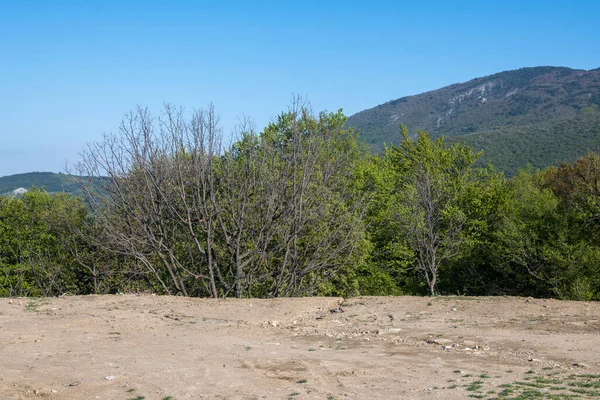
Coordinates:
(580, 365)
(274, 323)
(110, 378)
(440, 341)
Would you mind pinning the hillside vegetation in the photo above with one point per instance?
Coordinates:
(540, 116)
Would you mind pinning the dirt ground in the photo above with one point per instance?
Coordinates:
(153, 347)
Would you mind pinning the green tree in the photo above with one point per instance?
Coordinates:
(38, 245)
(535, 250)
(428, 211)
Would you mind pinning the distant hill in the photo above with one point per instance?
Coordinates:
(48, 181)
(539, 116)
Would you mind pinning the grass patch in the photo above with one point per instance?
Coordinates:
(533, 384)
(474, 386)
(33, 305)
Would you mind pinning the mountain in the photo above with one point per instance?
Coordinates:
(539, 116)
(49, 181)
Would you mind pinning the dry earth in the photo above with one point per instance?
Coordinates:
(151, 347)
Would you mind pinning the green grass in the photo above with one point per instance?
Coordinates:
(541, 384)
(474, 386)
(33, 305)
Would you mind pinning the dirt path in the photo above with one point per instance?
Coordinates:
(150, 347)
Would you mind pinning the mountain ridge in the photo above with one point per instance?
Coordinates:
(49, 181)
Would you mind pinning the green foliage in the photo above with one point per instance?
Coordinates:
(302, 209)
(35, 233)
(529, 247)
(419, 205)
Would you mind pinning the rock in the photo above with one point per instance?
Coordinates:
(440, 341)
(580, 365)
(274, 323)
(110, 378)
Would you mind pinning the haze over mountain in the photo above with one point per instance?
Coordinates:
(539, 116)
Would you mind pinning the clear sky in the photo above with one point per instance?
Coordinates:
(69, 70)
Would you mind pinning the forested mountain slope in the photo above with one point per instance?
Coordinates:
(539, 116)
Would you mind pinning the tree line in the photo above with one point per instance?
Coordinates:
(300, 208)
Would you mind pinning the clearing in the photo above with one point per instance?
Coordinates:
(153, 347)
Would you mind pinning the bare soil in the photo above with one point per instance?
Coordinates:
(154, 347)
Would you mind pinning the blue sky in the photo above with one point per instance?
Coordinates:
(69, 70)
